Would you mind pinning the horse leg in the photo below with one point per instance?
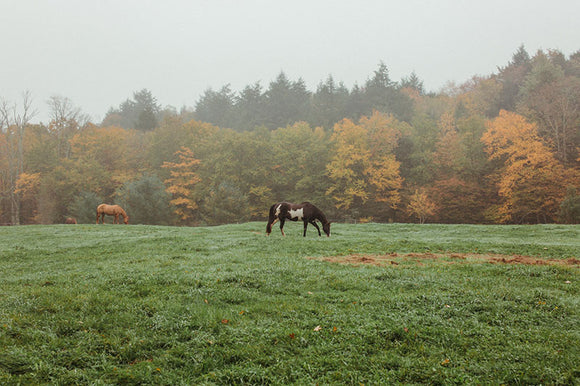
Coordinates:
(282, 227)
(305, 226)
(316, 226)
(116, 220)
(270, 225)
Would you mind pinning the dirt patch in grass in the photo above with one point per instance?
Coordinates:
(451, 258)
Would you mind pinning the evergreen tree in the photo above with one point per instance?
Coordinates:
(286, 102)
(138, 113)
(84, 206)
(216, 107)
(146, 201)
(512, 77)
(570, 207)
(382, 94)
(328, 103)
(250, 107)
(413, 82)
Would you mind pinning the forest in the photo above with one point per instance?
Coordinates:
(502, 148)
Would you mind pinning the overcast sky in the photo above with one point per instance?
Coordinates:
(97, 53)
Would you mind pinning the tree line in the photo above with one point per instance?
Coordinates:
(502, 148)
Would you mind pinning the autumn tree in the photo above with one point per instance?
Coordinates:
(384, 180)
(531, 183)
(13, 123)
(347, 167)
(103, 159)
(181, 184)
(363, 170)
(421, 206)
(27, 187)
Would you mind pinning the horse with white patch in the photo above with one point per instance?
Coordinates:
(306, 212)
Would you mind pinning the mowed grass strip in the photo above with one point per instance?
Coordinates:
(221, 305)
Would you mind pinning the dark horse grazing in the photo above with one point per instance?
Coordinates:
(306, 212)
(111, 210)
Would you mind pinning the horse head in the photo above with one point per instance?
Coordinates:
(126, 219)
(326, 228)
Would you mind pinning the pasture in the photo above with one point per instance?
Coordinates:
(374, 303)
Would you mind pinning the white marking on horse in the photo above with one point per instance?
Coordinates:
(298, 213)
(278, 210)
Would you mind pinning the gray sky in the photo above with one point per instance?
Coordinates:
(97, 53)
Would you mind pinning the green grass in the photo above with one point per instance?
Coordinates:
(110, 304)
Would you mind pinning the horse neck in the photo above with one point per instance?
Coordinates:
(122, 212)
(320, 216)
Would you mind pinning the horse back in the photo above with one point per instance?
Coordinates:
(109, 209)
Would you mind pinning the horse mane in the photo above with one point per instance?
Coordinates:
(317, 212)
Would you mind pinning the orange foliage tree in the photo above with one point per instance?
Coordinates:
(27, 187)
(531, 183)
(182, 184)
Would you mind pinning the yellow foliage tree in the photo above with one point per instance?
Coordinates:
(420, 205)
(363, 167)
(182, 182)
(27, 187)
(105, 158)
(347, 167)
(532, 182)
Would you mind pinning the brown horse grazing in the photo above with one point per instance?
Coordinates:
(70, 220)
(111, 210)
(306, 212)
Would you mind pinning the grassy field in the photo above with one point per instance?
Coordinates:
(437, 304)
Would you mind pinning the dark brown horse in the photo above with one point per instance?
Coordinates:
(306, 212)
(111, 210)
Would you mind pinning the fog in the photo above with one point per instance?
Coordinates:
(98, 53)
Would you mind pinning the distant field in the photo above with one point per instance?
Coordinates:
(374, 303)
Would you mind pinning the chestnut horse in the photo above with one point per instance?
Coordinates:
(111, 210)
(70, 220)
(306, 212)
